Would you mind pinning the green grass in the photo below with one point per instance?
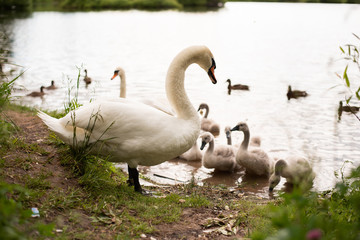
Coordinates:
(15, 219)
(104, 199)
(333, 214)
(101, 197)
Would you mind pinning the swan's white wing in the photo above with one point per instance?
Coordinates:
(161, 105)
(135, 131)
(157, 104)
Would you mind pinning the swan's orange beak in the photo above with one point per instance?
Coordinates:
(211, 72)
(116, 73)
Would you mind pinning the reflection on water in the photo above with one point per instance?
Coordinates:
(293, 44)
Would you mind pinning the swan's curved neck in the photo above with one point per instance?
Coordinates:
(279, 166)
(175, 90)
(229, 142)
(206, 111)
(229, 82)
(122, 85)
(245, 142)
(211, 146)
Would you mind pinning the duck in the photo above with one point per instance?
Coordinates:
(236, 86)
(37, 94)
(207, 124)
(87, 79)
(295, 93)
(160, 105)
(296, 169)
(255, 160)
(193, 154)
(219, 157)
(348, 108)
(52, 86)
(121, 133)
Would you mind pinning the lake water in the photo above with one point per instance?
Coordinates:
(267, 46)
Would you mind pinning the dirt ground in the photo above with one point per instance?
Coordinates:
(194, 222)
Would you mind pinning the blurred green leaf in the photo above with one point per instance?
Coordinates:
(348, 100)
(345, 76)
(357, 93)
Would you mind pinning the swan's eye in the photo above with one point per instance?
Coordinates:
(213, 63)
(116, 72)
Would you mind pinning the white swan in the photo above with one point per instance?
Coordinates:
(255, 160)
(208, 125)
(121, 73)
(160, 105)
(220, 157)
(296, 170)
(136, 133)
(193, 154)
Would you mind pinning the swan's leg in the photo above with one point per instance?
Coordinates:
(134, 176)
(130, 181)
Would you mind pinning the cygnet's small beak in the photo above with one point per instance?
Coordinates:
(271, 189)
(236, 128)
(203, 143)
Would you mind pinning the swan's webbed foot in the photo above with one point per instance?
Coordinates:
(147, 193)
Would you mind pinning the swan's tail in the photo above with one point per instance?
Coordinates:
(62, 128)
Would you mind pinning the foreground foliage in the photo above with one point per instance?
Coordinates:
(330, 215)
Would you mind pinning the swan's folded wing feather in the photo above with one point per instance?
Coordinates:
(128, 130)
(224, 151)
(120, 119)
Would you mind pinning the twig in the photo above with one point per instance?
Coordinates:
(157, 175)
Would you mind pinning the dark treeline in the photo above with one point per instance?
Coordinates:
(21, 5)
(6, 5)
(304, 1)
